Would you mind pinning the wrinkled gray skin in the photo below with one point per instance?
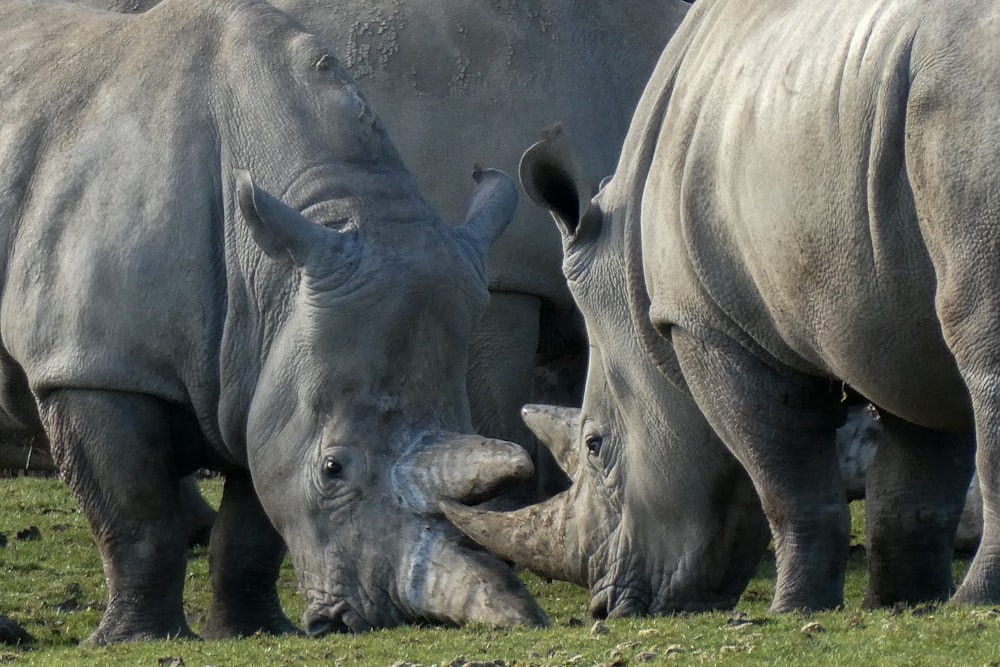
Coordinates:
(32, 454)
(660, 517)
(807, 197)
(162, 312)
(857, 442)
(463, 80)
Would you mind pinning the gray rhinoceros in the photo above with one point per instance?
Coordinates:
(463, 80)
(660, 517)
(807, 198)
(161, 311)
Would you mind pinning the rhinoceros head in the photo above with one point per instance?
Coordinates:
(359, 420)
(363, 303)
(660, 517)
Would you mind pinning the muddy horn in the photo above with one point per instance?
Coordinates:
(449, 582)
(537, 537)
(466, 467)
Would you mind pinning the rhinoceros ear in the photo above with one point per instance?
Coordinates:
(554, 177)
(283, 233)
(491, 209)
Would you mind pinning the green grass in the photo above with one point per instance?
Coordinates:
(54, 587)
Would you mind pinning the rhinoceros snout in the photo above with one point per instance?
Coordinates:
(317, 626)
(339, 618)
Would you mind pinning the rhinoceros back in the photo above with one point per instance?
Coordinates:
(461, 81)
(778, 198)
(109, 205)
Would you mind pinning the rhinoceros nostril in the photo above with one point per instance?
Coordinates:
(320, 624)
(599, 605)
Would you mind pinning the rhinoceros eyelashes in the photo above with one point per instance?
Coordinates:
(593, 443)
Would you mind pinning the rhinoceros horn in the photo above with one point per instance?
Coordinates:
(557, 428)
(450, 582)
(537, 537)
(469, 468)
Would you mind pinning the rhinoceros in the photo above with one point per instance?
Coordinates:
(462, 80)
(807, 199)
(216, 258)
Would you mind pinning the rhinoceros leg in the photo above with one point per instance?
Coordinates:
(245, 555)
(951, 162)
(781, 426)
(913, 501)
(200, 515)
(115, 451)
(982, 582)
(501, 359)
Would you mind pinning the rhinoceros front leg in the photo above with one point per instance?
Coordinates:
(245, 553)
(781, 425)
(914, 497)
(501, 359)
(115, 452)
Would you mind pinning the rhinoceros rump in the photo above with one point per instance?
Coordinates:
(162, 311)
(807, 198)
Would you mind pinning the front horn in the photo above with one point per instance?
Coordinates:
(467, 467)
(535, 537)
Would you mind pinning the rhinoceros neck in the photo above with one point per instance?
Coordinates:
(632, 172)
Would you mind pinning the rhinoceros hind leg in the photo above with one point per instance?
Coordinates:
(982, 582)
(115, 451)
(915, 492)
(781, 425)
(951, 163)
(245, 554)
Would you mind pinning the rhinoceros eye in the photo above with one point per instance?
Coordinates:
(593, 443)
(332, 467)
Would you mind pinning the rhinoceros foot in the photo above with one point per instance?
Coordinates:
(273, 622)
(117, 628)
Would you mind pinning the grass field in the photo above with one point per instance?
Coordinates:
(50, 581)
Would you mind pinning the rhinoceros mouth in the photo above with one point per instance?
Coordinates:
(327, 616)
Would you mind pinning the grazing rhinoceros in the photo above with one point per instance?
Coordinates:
(161, 311)
(808, 196)
(462, 80)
